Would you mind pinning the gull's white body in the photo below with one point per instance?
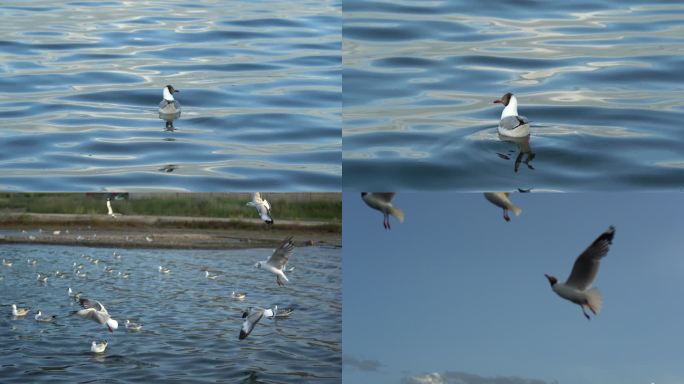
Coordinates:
(262, 206)
(164, 270)
(98, 347)
(19, 312)
(276, 263)
(169, 105)
(95, 311)
(510, 125)
(44, 319)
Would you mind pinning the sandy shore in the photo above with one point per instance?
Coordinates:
(162, 231)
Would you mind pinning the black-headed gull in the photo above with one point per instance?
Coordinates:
(511, 124)
(382, 201)
(98, 347)
(262, 206)
(169, 105)
(252, 316)
(501, 200)
(95, 311)
(578, 286)
(19, 312)
(44, 318)
(278, 259)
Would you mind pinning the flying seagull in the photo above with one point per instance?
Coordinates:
(276, 263)
(95, 311)
(578, 286)
(382, 201)
(252, 317)
(262, 206)
(110, 212)
(501, 200)
(511, 124)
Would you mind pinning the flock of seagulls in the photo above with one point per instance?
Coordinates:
(576, 289)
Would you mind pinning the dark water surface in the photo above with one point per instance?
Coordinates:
(190, 324)
(601, 82)
(260, 85)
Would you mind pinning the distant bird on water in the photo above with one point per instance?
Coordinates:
(501, 200)
(577, 288)
(98, 347)
(382, 201)
(19, 312)
(262, 206)
(169, 105)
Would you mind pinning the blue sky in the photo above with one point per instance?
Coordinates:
(455, 291)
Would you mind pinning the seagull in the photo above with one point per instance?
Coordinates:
(511, 124)
(110, 212)
(42, 278)
(149, 239)
(98, 347)
(281, 313)
(577, 287)
(238, 295)
(382, 201)
(252, 317)
(169, 105)
(210, 276)
(278, 259)
(262, 206)
(164, 270)
(95, 311)
(19, 312)
(500, 199)
(56, 233)
(44, 319)
(7, 263)
(133, 326)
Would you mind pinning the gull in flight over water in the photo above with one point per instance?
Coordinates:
(501, 200)
(511, 124)
(252, 316)
(262, 206)
(276, 263)
(382, 201)
(95, 311)
(577, 288)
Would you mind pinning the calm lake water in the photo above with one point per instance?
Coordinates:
(260, 89)
(601, 82)
(190, 323)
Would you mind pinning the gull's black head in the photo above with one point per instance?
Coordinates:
(552, 279)
(505, 99)
(171, 89)
(363, 194)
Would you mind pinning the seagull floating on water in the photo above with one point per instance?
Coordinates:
(262, 206)
(98, 347)
(44, 318)
(164, 270)
(169, 105)
(252, 317)
(238, 295)
(382, 201)
(278, 259)
(511, 124)
(500, 199)
(281, 313)
(577, 288)
(132, 326)
(95, 311)
(7, 263)
(42, 278)
(19, 312)
(210, 276)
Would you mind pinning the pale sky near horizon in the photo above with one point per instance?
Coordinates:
(458, 294)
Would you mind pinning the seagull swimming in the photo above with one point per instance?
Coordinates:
(281, 313)
(44, 318)
(7, 263)
(95, 311)
(169, 105)
(262, 206)
(42, 278)
(210, 276)
(110, 212)
(98, 347)
(501, 200)
(278, 259)
(511, 124)
(252, 317)
(164, 270)
(382, 201)
(577, 287)
(19, 312)
(238, 295)
(133, 326)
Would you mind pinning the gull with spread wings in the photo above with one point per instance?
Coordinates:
(262, 206)
(276, 263)
(95, 311)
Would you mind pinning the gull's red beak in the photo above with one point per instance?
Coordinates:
(497, 101)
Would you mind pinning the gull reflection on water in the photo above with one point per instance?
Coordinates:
(524, 149)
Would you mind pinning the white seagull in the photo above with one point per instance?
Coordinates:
(578, 286)
(98, 347)
(252, 317)
(501, 200)
(19, 312)
(133, 326)
(278, 259)
(262, 206)
(164, 270)
(210, 276)
(382, 201)
(511, 124)
(169, 105)
(95, 311)
(238, 295)
(42, 278)
(110, 212)
(7, 263)
(44, 318)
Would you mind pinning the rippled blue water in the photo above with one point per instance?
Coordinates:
(260, 85)
(190, 324)
(601, 82)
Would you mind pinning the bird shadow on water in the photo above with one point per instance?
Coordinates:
(524, 151)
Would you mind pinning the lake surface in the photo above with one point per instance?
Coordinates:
(600, 81)
(190, 323)
(260, 89)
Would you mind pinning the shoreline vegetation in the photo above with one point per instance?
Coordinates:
(191, 221)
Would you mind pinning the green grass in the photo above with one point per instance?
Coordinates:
(190, 205)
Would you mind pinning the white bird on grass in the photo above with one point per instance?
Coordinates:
(110, 212)
(577, 288)
(382, 201)
(278, 259)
